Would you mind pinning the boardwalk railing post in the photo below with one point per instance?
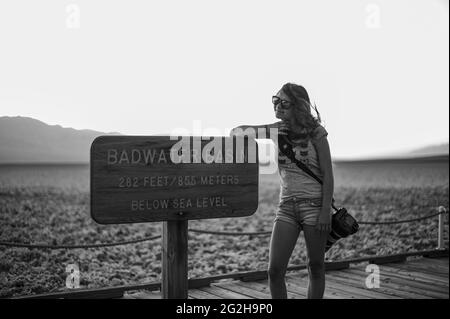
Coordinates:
(174, 260)
(441, 228)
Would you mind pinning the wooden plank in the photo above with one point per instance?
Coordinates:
(438, 262)
(425, 272)
(345, 287)
(143, 295)
(385, 281)
(405, 271)
(330, 293)
(242, 275)
(433, 252)
(385, 287)
(436, 253)
(336, 290)
(432, 260)
(354, 281)
(297, 289)
(329, 265)
(137, 179)
(114, 292)
(304, 290)
(342, 294)
(200, 294)
(94, 293)
(224, 293)
(420, 274)
(336, 265)
(387, 259)
(430, 264)
(355, 288)
(259, 289)
(441, 261)
(200, 282)
(263, 286)
(427, 269)
(407, 283)
(99, 293)
(359, 292)
(415, 276)
(255, 276)
(244, 290)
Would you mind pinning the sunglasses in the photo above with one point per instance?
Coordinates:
(283, 104)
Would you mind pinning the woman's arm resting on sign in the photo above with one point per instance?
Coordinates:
(323, 152)
(254, 131)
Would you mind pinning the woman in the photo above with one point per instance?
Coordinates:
(304, 203)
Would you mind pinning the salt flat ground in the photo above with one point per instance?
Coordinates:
(49, 204)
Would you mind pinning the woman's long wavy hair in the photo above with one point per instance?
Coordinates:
(302, 107)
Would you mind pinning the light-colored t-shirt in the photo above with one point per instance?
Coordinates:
(294, 181)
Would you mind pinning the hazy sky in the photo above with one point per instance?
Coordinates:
(377, 70)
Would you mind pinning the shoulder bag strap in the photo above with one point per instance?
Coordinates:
(286, 148)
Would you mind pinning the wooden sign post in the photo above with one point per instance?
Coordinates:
(138, 179)
(175, 260)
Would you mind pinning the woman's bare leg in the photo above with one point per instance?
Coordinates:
(315, 245)
(283, 240)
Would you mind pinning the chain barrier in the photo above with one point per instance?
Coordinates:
(201, 231)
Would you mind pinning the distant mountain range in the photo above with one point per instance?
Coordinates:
(431, 150)
(27, 140)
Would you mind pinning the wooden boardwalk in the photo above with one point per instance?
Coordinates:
(424, 278)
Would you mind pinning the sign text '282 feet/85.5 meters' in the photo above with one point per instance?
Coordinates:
(159, 178)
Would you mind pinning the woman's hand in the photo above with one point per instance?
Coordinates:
(324, 222)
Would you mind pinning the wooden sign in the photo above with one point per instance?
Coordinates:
(160, 178)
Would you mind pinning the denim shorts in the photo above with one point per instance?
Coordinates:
(299, 212)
